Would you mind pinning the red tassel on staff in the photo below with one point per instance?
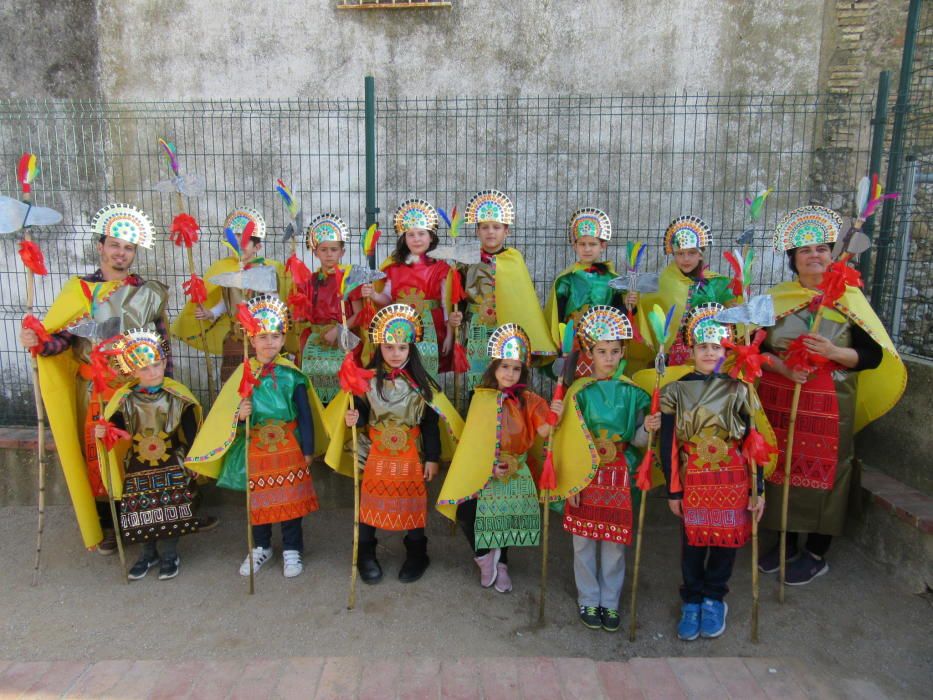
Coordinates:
(675, 486)
(33, 324)
(643, 475)
(461, 363)
(298, 270)
(367, 313)
(248, 381)
(457, 293)
(113, 434)
(557, 396)
(756, 449)
(184, 231)
(32, 257)
(748, 358)
(835, 280)
(636, 334)
(300, 305)
(250, 324)
(353, 378)
(548, 480)
(798, 357)
(195, 289)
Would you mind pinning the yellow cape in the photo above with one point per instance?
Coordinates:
(186, 327)
(115, 457)
(646, 378)
(517, 302)
(550, 308)
(879, 389)
(57, 381)
(206, 455)
(339, 455)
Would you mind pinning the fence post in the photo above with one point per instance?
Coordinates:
(895, 154)
(874, 159)
(369, 89)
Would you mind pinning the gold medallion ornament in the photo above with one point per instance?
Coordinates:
(326, 228)
(592, 222)
(711, 451)
(270, 313)
(139, 348)
(126, 223)
(415, 213)
(511, 462)
(605, 447)
(489, 206)
(415, 298)
(240, 218)
(151, 448)
(396, 323)
(392, 438)
(271, 436)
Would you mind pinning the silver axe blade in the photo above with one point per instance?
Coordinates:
(188, 185)
(757, 311)
(293, 228)
(748, 235)
(261, 278)
(463, 252)
(347, 340)
(645, 283)
(96, 331)
(358, 275)
(854, 242)
(15, 215)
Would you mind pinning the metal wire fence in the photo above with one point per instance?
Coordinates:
(642, 159)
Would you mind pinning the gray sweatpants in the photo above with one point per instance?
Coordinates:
(598, 584)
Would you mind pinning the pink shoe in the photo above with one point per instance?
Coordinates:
(503, 580)
(487, 567)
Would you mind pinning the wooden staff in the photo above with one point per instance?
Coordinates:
(545, 519)
(351, 598)
(249, 508)
(104, 461)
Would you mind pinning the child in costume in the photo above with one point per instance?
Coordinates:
(498, 289)
(596, 460)
(286, 432)
(489, 489)
(320, 354)
(222, 335)
(685, 283)
(415, 279)
(402, 410)
(585, 283)
(704, 418)
(156, 493)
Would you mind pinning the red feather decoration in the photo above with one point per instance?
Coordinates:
(100, 370)
(300, 305)
(300, 273)
(113, 434)
(461, 363)
(22, 173)
(195, 289)
(756, 448)
(738, 276)
(353, 378)
(32, 257)
(798, 357)
(548, 478)
(33, 324)
(558, 395)
(367, 314)
(247, 234)
(835, 280)
(748, 358)
(250, 324)
(457, 293)
(636, 334)
(655, 401)
(185, 230)
(247, 381)
(675, 485)
(643, 475)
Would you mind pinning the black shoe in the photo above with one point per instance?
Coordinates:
(367, 564)
(610, 619)
(770, 561)
(142, 566)
(207, 522)
(416, 560)
(805, 569)
(169, 568)
(591, 616)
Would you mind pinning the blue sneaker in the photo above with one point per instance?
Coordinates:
(713, 618)
(688, 628)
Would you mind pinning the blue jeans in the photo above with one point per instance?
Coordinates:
(292, 536)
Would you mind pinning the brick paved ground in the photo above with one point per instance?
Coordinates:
(427, 677)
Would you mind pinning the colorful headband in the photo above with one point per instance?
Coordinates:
(490, 205)
(271, 314)
(396, 323)
(590, 222)
(509, 342)
(139, 348)
(238, 219)
(810, 225)
(326, 228)
(126, 223)
(603, 323)
(686, 232)
(415, 213)
(701, 327)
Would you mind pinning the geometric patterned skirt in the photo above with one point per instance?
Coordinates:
(393, 495)
(605, 510)
(477, 338)
(156, 504)
(279, 480)
(320, 362)
(507, 511)
(715, 502)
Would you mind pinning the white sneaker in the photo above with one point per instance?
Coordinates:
(291, 563)
(260, 557)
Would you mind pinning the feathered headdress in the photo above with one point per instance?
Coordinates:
(326, 227)
(269, 313)
(490, 205)
(810, 225)
(686, 232)
(590, 222)
(509, 342)
(702, 327)
(125, 222)
(603, 323)
(396, 323)
(139, 348)
(415, 213)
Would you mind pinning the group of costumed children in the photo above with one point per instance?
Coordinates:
(265, 438)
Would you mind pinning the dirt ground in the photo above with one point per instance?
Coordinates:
(855, 621)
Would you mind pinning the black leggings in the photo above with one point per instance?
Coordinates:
(817, 543)
(466, 517)
(368, 533)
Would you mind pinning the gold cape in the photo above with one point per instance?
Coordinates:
(60, 395)
(879, 389)
(218, 432)
(186, 327)
(517, 302)
(339, 455)
(115, 457)
(550, 307)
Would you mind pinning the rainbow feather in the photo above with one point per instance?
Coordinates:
(230, 240)
(286, 194)
(861, 194)
(444, 216)
(757, 204)
(368, 242)
(660, 324)
(566, 335)
(634, 254)
(170, 153)
(455, 221)
(28, 170)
